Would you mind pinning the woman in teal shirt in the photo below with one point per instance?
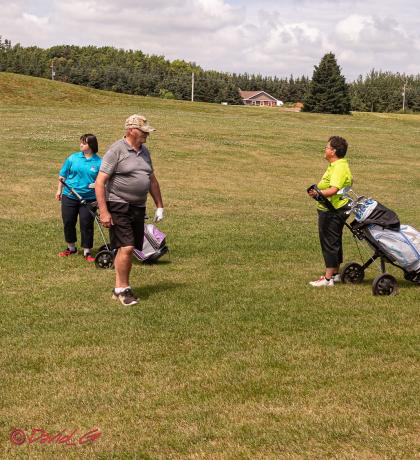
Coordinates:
(79, 172)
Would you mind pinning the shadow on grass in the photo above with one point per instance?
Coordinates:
(408, 284)
(149, 264)
(149, 290)
(401, 282)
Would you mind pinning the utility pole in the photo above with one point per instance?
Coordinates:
(403, 95)
(192, 87)
(52, 70)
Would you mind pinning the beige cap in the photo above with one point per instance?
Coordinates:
(139, 122)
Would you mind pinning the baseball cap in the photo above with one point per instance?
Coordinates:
(139, 122)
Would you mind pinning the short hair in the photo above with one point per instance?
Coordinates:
(339, 144)
(91, 141)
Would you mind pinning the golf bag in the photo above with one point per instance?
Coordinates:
(154, 245)
(392, 242)
(400, 243)
(402, 247)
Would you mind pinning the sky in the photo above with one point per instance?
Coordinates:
(276, 38)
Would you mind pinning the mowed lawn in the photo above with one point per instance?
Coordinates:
(230, 354)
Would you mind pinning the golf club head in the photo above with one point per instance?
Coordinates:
(344, 191)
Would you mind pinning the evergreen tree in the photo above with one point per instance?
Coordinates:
(328, 91)
(229, 93)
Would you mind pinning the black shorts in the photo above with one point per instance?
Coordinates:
(128, 225)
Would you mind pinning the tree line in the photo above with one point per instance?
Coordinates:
(134, 72)
(386, 92)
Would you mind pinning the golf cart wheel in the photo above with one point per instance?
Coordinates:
(352, 273)
(104, 259)
(385, 284)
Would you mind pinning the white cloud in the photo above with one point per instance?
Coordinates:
(286, 36)
(267, 37)
(351, 27)
(366, 42)
(37, 20)
(372, 33)
(20, 25)
(216, 8)
(144, 17)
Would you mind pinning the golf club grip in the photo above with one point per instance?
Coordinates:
(320, 198)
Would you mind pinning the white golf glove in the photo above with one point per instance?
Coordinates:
(158, 215)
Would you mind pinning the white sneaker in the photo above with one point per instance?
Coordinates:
(337, 278)
(322, 282)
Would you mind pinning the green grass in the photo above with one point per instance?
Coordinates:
(230, 354)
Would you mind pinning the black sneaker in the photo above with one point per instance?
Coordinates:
(126, 297)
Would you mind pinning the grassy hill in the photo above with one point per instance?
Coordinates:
(230, 353)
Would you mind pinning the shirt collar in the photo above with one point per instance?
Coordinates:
(80, 154)
(129, 147)
(336, 162)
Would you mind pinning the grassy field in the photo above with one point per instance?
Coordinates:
(230, 354)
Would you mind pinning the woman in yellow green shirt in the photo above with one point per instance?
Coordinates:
(331, 223)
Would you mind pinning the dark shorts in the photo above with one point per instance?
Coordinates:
(128, 228)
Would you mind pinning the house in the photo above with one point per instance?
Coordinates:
(259, 98)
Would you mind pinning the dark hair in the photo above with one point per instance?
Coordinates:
(91, 141)
(339, 144)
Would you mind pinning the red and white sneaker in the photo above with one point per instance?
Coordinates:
(67, 252)
(322, 282)
(89, 257)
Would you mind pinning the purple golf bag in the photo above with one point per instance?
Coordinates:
(154, 245)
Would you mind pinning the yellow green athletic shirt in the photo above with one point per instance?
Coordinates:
(338, 175)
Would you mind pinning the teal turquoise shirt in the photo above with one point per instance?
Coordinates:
(79, 172)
